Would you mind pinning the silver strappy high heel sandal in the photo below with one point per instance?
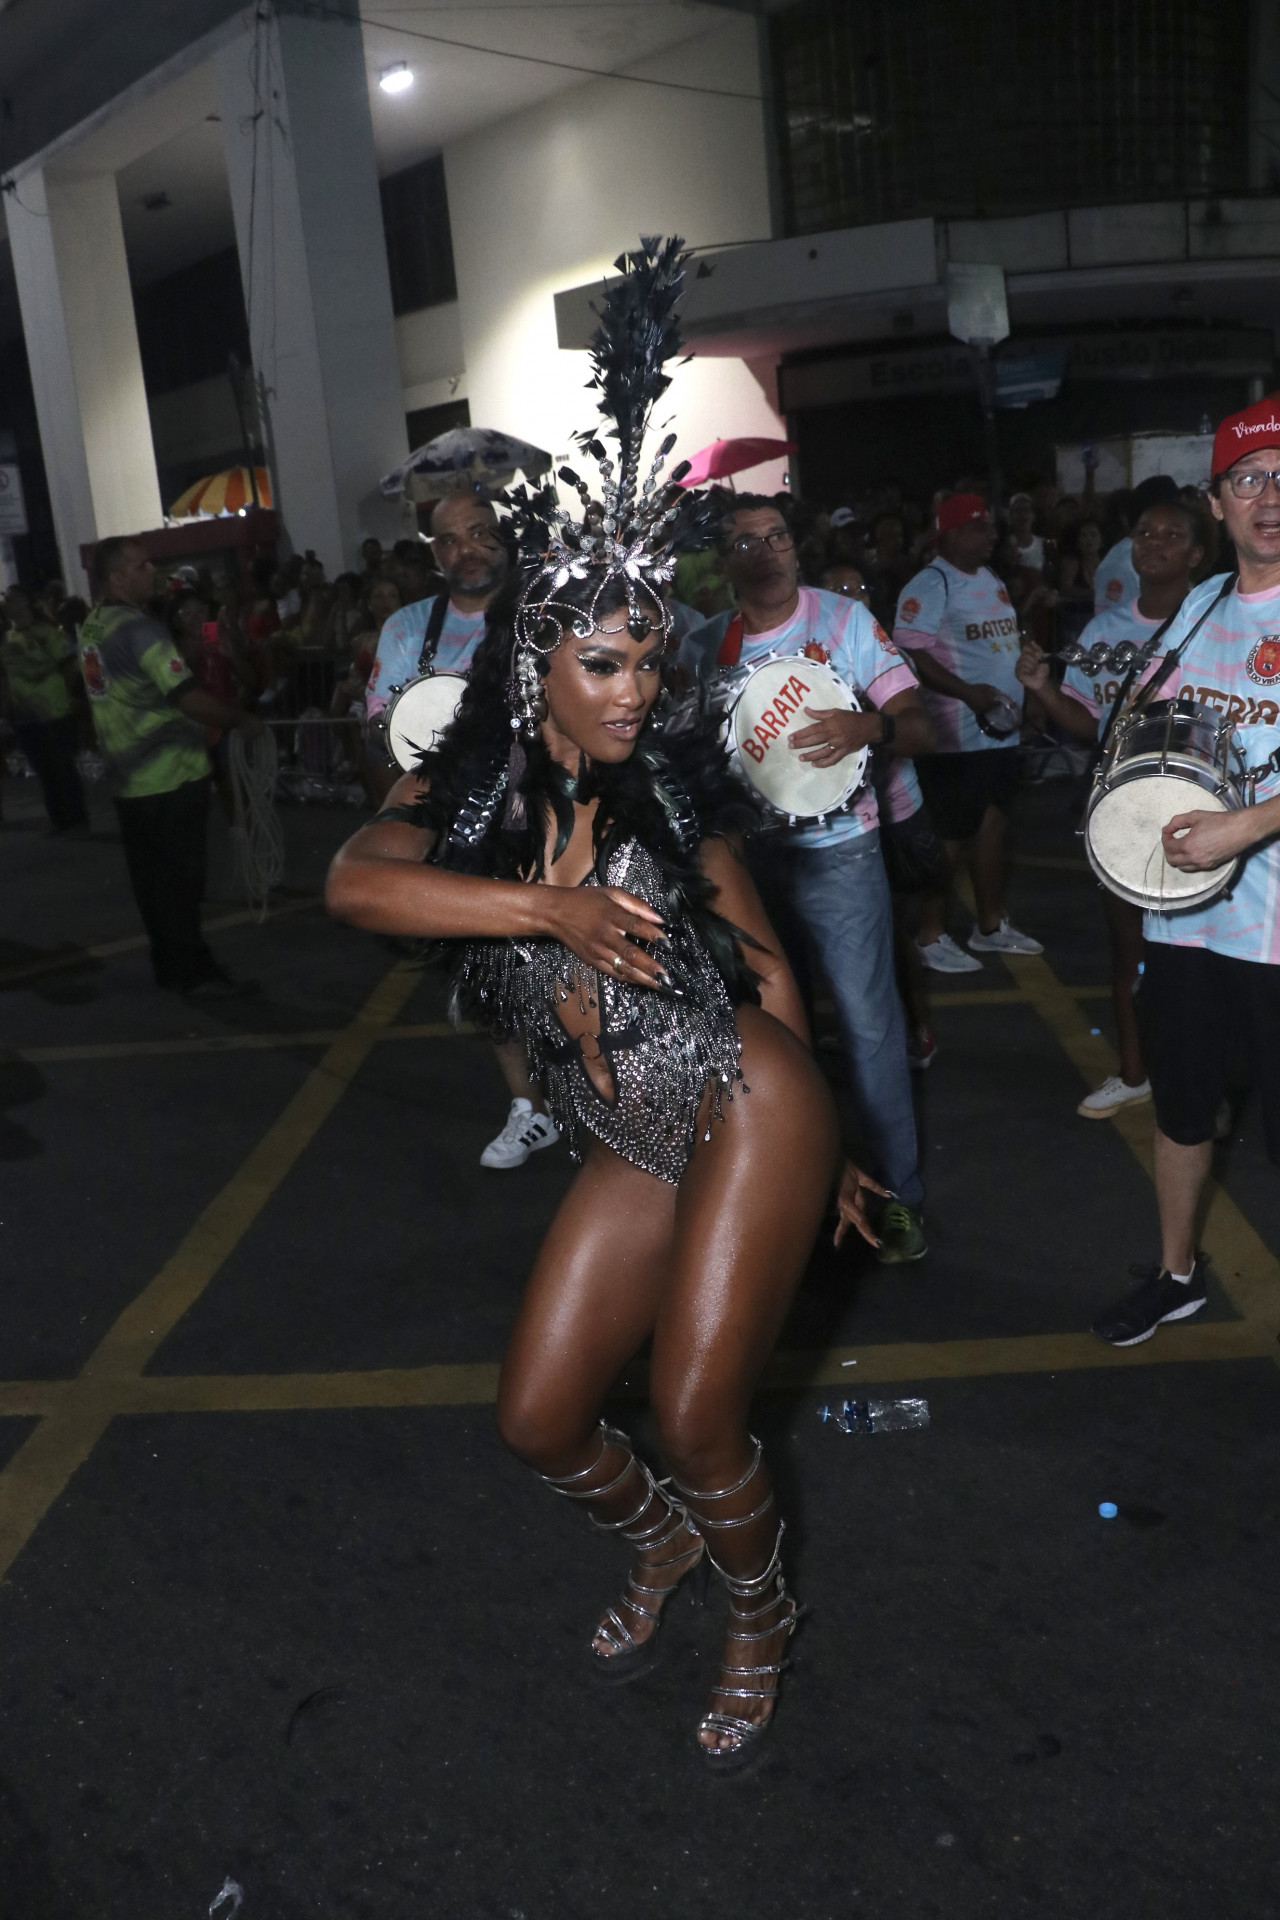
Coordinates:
(760, 1680)
(627, 1656)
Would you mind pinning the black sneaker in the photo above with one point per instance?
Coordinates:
(1159, 1298)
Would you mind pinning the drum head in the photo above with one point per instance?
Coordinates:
(769, 709)
(419, 714)
(1122, 839)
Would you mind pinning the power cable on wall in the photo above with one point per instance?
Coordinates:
(315, 10)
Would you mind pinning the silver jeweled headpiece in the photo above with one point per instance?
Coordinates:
(628, 535)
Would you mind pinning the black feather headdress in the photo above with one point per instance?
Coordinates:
(628, 535)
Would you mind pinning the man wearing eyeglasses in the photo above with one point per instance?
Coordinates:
(1211, 974)
(1168, 545)
(474, 562)
(824, 882)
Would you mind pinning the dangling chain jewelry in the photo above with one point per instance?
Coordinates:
(526, 694)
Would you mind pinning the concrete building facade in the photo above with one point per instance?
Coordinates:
(263, 136)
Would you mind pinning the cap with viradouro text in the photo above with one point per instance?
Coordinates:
(1240, 433)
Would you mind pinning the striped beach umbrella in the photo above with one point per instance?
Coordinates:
(222, 493)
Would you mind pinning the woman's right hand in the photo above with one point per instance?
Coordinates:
(601, 925)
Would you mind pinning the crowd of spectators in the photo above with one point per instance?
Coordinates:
(1051, 546)
(297, 646)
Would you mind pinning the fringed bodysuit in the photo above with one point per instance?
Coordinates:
(662, 1054)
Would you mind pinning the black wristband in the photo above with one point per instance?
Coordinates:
(889, 725)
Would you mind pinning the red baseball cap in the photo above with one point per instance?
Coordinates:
(1240, 433)
(958, 509)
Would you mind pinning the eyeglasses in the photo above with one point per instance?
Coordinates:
(777, 539)
(1252, 483)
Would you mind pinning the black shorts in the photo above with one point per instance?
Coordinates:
(1203, 1018)
(914, 856)
(959, 787)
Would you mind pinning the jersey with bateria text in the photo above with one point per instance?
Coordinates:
(1097, 692)
(1232, 665)
(967, 623)
(836, 632)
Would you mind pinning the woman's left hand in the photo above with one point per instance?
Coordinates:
(851, 1203)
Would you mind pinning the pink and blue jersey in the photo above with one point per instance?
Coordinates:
(400, 648)
(1115, 583)
(1232, 665)
(1097, 692)
(847, 637)
(966, 622)
(897, 787)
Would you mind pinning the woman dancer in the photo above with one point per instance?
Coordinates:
(609, 922)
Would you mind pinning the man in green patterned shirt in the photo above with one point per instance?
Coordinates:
(149, 715)
(38, 665)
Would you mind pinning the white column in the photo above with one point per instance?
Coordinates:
(82, 345)
(299, 143)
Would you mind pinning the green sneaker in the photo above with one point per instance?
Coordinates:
(901, 1232)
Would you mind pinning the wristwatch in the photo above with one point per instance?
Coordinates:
(889, 727)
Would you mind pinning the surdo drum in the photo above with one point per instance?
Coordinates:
(1164, 759)
(419, 714)
(763, 705)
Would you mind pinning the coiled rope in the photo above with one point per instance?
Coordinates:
(256, 833)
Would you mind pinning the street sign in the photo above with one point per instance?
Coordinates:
(977, 311)
(13, 512)
(1022, 378)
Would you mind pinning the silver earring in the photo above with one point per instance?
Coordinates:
(527, 696)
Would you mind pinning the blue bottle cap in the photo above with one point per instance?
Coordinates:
(1108, 1509)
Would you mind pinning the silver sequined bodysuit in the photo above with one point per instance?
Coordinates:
(660, 1052)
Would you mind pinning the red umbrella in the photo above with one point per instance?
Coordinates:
(724, 457)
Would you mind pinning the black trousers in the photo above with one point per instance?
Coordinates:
(165, 839)
(50, 746)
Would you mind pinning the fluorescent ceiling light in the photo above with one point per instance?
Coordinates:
(397, 79)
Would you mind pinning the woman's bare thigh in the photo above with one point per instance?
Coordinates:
(591, 1301)
(747, 1210)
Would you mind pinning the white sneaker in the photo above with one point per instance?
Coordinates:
(944, 956)
(1005, 939)
(524, 1133)
(1110, 1097)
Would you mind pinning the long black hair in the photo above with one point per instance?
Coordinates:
(488, 790)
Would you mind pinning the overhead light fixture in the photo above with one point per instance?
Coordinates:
(397, 79)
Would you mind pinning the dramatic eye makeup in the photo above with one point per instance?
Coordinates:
(607, 662)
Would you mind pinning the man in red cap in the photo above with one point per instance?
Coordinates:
(960, 632)
(1210, 988)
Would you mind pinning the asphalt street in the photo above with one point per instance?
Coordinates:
(277, 1609)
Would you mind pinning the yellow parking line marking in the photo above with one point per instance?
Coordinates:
(475, 1383)
(130, 943)
(39, 1471)
(976, 997)
(1246, 1266)
(230, 1043)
